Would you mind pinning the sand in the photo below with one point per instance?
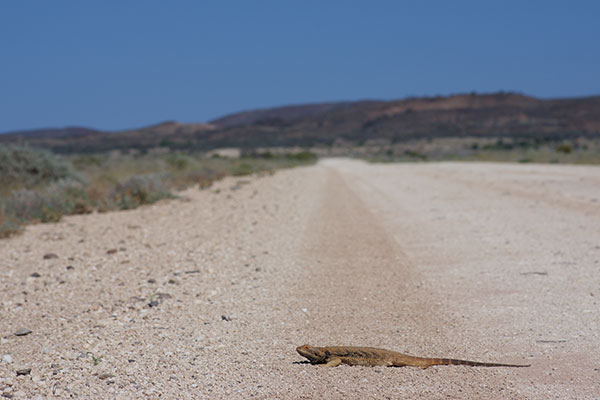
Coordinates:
(208, 295)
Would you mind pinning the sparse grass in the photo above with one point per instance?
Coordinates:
(42, 187)
(96, 358)
(580, 151)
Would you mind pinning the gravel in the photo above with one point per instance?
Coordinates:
(487, 262)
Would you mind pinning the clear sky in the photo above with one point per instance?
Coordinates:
(121, 64)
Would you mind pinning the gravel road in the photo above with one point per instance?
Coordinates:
(207, 296)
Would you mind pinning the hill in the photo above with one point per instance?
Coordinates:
(464, 115)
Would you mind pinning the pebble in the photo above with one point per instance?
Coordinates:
(70, 267)
(7, 358)
(24, 371)
(111, 251)
(105, 375)
(35, 275)
(194, 271)
(50, 256)
(153, 303)
(23, 332)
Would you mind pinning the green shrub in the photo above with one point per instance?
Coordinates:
(242, 169)
(85, 161)
(415, 154)
(49, 205)
(26, 167)
(138, 190)
(565, 148)
(178, 161)
(8, 227)
(28, 205)
(304, 156)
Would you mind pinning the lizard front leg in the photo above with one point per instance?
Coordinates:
(333, 362)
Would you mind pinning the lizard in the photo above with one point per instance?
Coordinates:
(371, 356)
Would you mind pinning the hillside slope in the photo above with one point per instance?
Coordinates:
(465, 115)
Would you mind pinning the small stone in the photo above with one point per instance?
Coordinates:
(111, 251)
(7, 358)
(151, 280)
(35, 275)
(105, 375)
(153, 303)
(227, 317)
(23, 332)
(24, 371)
(194, 271)
(50, 256)
(70, 267)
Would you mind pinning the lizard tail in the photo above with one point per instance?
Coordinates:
(451, 361)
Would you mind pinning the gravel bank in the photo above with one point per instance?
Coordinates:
(208, 296)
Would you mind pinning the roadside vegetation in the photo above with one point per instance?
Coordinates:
(555, 151)
(37, 185)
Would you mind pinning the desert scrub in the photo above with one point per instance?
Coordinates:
(8, 227)
(139, 190)
(26, 167)
(47, 205)
(38, 186)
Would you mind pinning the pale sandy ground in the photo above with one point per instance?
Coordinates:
(488, 262)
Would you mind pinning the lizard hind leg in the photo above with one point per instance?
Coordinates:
(333, 362)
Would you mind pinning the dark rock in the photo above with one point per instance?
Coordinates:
(153, 303)
(24, 371)
(195, 271)
(111, 251)
(50, 256)
(70, 267)
(35, 275)
(105, 375)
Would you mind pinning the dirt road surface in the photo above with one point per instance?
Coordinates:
(208, 296)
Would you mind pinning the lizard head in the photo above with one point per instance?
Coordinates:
(314, 354)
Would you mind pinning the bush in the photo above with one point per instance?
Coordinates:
(26, 167)
(565, 148)
(64, 197)
(178, 161)
(138, 190)
(8, 227)
(242, 169)
(304, 156)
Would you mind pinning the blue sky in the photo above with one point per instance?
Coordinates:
(121, 64)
